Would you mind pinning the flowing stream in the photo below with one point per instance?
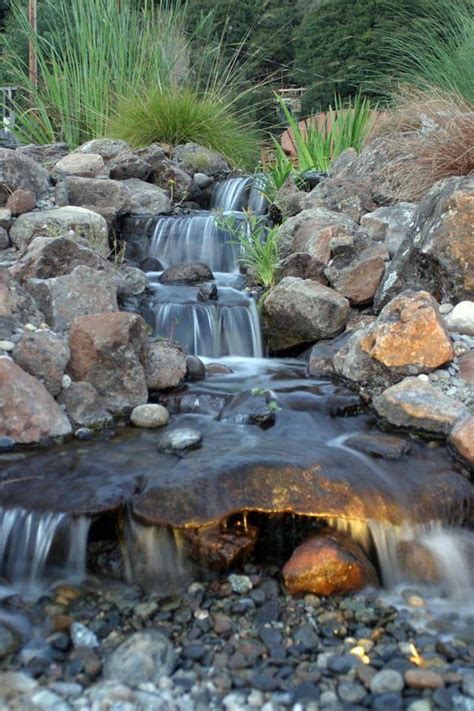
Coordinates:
(274, 442)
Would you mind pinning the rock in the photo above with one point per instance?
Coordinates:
(17, 306)
(289, 200)
(83, 165)
(82, 636)
(379, 445)
(387, 681)
(143, 658)
(328, 564)
(108, 148)
(322, 355)
(389, 225)
(299, 311)
(193, 158)
(311, 231)
(150, 416)
(172, 179)
(108, 352)
(18, 171)
(9, 642)
(304, 266)
(179, 439)
(358, 275)
(418, 405)
(461, 318)
(44, 355)
(468, 684)
(437, 254)
(5, 218)
(130, 281)
(408, 338)
(340, 162)
(240, 583)
(83, 291)
(417, 562)
(462, 439)
(84, 407)
(202, 181)
(21, 201)
(108, 198)
(72, 222)
(28, 413)
(4, 239)
(195, 368)
(187, 273)
(7, 346)
(127, 165)
(46, 155)
(146, 197)
(219, 549)
(353, 198)
(423, 679)
(150, 264)
(165, 365)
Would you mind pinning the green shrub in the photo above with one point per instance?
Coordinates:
(178, 114)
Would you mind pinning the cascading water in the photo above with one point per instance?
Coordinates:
(34, 546)
(212, 327)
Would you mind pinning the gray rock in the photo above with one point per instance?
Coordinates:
(193, 158)
(389, 224)
(165, 365)
(468, 684)
(387, 681)
(187, 273)
(109, 198)
(240, 583)
(82, 636)
(311, 231)
(18, 171)
(150, 416)
(66, 222)
(130, 281)
(84, 165)
(5, 218)
(83, 291)
(17, 306)
(301, 311)
(84, 407)
(179, 439)
(127, 165)
(44, 355)
(461, 318)
(418, 405)
(46, 155)
(171, 178)
(108, 148)
(146, 197)
(352, 198)
(143, 658)
(202, 180)
(9, 642)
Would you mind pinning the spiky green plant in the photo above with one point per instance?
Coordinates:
(273, 176)
(344, 126)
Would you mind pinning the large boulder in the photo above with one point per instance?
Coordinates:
(193, 158)
(84, 165)
(128, 165)
(341, 195)
(28, 413)
(108, 148)
(170, 177)
(46, 155)
(109, 351)
(328, 564)
(44, 355)
(84, 407)
(408, 338)
(146, 197)
(438, 251)
(299, 311)
(389, 225)
(311, 231)
(82, 291)
(165, 365)
(18, 171)
(17, 306)
(416, 404)
(356, 274)
(48, 257)
(21, 201)
(62, 222)
(109, 198)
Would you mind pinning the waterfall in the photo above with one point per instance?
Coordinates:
(34, 544)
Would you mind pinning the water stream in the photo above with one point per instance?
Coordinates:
(274, 442)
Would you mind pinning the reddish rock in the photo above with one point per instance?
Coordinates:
(423, 679)
(217, 548)
(108, 351)
(328, 564)
(466, 367)
(28, 413)
(165, 365)
(312, 231)
(359, 278)
(21, 201)
(45, 355)
(462, 439)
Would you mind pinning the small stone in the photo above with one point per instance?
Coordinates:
(420, 705)
(387, 681)
(179, 439)
(66, 382)
(150, 416)
(7, 346)
(461, 318)
(7, 444)
(82, 636)
(83, 433)
(240, 583)
(351, 693)
(423, 679)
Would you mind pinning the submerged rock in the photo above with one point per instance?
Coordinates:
(28, 413)
(418, 405)
(150, 416)
(328, 564)
(218, 549)
(179, 439)
(300, 311)
(143, 658)
(187, 273)
(379, 445)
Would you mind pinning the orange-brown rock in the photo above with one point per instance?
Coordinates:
(328, 564)
(417, 562)
(462, 439)
(28, 413)
(108, 350)
(311, 231)
(409, 335)
(217, 548)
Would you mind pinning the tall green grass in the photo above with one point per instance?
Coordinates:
(344, 126)
(433, 53)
